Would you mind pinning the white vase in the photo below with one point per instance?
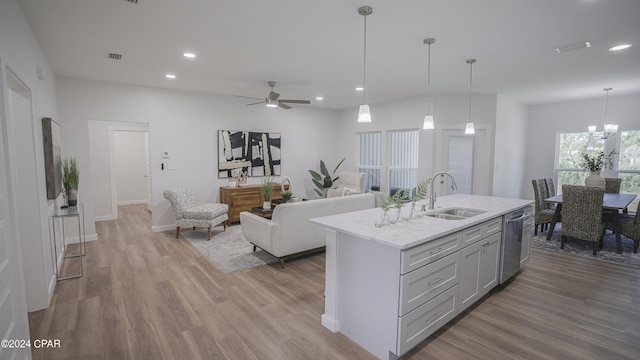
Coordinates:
(266, 205)
(595, 179)
(72, 197)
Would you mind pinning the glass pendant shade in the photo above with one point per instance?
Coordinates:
(592, 128)
(428, 123)
(469, 129)
(364, 114)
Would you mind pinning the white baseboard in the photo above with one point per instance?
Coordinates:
(76, 239)
(105, 218)
(132, 202)
(163, 228)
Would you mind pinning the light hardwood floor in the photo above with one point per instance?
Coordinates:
(149, 296)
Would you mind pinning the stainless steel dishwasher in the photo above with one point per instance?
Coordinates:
(510, 251)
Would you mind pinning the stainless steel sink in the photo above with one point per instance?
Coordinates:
(455, 213)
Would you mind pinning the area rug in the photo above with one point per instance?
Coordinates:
(585, 249)
(228, 250)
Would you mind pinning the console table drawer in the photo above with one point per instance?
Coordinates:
(422, 285)
(421, 255)
(425, 320)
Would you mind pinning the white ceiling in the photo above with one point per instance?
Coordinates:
(316, 47)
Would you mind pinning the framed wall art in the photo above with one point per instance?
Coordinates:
(52, 159)
(257, 153)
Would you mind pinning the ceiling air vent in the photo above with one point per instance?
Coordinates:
(576, 46)
(114, 56)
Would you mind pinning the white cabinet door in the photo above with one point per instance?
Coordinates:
(479, 270)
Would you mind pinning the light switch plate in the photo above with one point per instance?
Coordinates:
(165, 154)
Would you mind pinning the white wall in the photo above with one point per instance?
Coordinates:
(510, 148)
(546, 121)
(130, 167)
(21, 53)
(449, 111)
(186, 125)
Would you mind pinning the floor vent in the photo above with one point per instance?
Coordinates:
(114, 56)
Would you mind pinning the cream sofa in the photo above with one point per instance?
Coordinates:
(289, 231)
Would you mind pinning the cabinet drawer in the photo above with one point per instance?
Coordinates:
(481, 231)
(425, 320)
(422, 285)
(421, 255)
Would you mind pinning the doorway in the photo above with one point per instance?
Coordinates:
(467, 158)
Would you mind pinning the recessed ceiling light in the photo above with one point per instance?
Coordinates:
(189, 55)
(319, 98)
(170, 76)
(620, 47)
(359, 88)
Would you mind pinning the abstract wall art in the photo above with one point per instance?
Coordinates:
(257, 153)
(52, 160)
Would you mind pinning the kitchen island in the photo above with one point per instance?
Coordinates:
(388, 288)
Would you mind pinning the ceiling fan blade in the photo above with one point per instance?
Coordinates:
(273, 95)
(256, 103)
(283, 105)
(297, 101)
(248, 97)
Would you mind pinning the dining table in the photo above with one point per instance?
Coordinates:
(612, 201)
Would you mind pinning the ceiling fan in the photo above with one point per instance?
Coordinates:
(272, 100)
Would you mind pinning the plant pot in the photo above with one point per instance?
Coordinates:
(72, 197)
(266, 205)
(595, 179)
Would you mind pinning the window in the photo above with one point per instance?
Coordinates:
(403, 159)
(570, 147)
(629, 164)
(625, 144)
(368, 155)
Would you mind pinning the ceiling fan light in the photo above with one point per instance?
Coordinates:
(592, 128)
(469, 129)
(364, 114)
(272, 103)
(428, 123)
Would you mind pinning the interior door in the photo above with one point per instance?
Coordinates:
(147, 174)
(13, 312)
(467, 158)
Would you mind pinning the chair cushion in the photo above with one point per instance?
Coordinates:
(205, 211)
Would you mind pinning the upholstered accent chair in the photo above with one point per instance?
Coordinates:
(191, 213)
(543, 214)
(582, 214)
(349, 183)
(629, 226)
(612, 185)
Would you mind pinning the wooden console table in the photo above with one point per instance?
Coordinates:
(244, 198)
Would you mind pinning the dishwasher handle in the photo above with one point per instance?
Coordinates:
(520, 218)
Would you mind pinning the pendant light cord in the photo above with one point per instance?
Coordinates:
(364, 67)
(470, 83)
(429, 81)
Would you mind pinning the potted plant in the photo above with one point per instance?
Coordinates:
(71, 179)
(593, 163)
(267, 190)
(325, 181)
(286, 195)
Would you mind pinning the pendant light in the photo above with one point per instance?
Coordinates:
(470, 129)
(364, 114)
(428, 123)
(607, 129)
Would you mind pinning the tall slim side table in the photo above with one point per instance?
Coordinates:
(76, 212)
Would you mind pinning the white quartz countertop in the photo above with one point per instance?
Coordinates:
(407, 234)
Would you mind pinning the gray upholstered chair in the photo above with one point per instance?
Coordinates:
(543, 214)
(582, 214)
(629, 226)
(191, 213)
(612, 185)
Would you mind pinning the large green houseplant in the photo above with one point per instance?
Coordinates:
(324, 180)
(71, 179)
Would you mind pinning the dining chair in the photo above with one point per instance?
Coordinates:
(612, 185)
(551, 187)
(543, 214)
(582, 214)
(629, 227)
